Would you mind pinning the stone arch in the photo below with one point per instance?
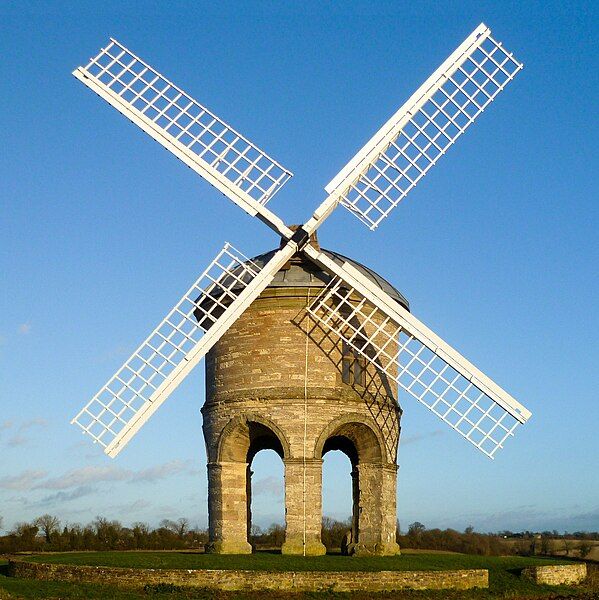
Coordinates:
(245, 435)
(229, 479)
(357, 436)
(373, 515)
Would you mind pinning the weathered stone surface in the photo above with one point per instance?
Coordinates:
(275, 381)
(296, 581)
(557, 574)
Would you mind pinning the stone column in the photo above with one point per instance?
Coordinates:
(228, 508)
(377, 517)
(349, 548)
(248, 500)
(388, 544)
(294, 507)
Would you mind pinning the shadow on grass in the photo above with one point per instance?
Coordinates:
(4, 570)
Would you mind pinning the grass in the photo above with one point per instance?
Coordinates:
(503, 575)
(271, 561)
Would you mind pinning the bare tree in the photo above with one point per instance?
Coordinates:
(584, 549)
(182, 527)
(416, 528)
(140, 531)
(546, 544)
(48, 525)
(415, 531)
(26, 534)
(171, 526)
(567, 546)
(108, 533)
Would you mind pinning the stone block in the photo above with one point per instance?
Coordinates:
(556, 574)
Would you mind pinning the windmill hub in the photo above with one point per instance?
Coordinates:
(301, 237)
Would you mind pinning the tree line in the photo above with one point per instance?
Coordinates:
(46, 533)
(578, 544)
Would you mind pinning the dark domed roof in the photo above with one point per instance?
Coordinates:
(302, 272)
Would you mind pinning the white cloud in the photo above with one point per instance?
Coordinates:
(36, 422)
(406, 440)
(79, 492)
(534, 518)
(24, 481)
(268, 486)
(173, 467)
(24, 328)
(130, 507)
(96, 474)
(83, 476)
(17, 440)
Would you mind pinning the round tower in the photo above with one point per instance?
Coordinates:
(276, 380)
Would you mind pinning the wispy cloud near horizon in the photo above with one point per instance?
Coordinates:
(79, 492)
(269, 486)
(23, 481)
(406, 440)
(91, 474)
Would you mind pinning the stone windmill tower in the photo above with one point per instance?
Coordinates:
(275, 380)
(306, 348)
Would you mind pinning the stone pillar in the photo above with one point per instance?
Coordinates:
(388, 544)
(376, 505)
(228, 508)
(350, 541)
(248, 499)
(294, 507)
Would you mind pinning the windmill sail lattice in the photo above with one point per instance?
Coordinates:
(419, 366)
(135, 386)
(219, 153)
(421, 131)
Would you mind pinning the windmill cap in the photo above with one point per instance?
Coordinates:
(301, 272)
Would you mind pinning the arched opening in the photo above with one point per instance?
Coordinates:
(266, 495)
(337, 499)
(264, 460)
(363, 449)
(247, 444)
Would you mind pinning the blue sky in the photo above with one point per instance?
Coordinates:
(101, 230)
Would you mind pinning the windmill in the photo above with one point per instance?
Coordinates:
(366, 319)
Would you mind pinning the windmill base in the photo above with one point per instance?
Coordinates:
(296, 548)
(229, 547)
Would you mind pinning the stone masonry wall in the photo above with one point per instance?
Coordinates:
(277, 374)
(296, 581)
(260, 363)
(557, 574)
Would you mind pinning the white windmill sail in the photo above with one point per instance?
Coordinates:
(216, 299)
(370, 186)
(396, 158)
(195, 135)
(423, 364)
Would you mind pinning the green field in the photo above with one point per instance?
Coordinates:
(503, 573)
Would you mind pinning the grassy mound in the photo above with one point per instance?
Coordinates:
(503, 575)
(270, 561)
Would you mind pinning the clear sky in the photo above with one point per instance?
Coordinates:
(101, 230)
